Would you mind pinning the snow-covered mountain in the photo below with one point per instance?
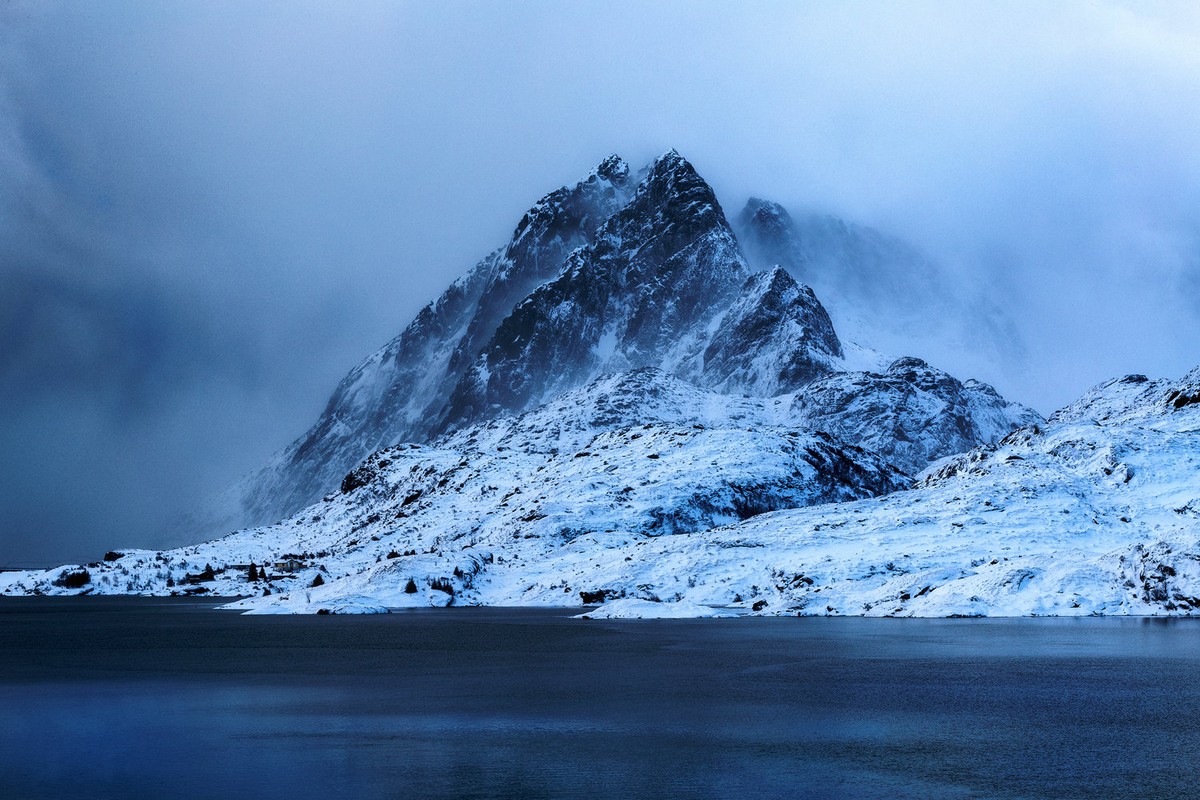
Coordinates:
(608, 274)
(612, 398)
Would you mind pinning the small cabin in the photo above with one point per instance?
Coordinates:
(289, 565)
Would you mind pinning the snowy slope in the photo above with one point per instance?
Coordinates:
(640, 453)
(572, 504)
(1133, 398)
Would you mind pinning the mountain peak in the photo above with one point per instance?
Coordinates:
(599, 276)
(614, 169)
(768, 234)
(671, 172)
(675, 202)
(775, 338)
(765, 211)
(777, 280)
(643, 294)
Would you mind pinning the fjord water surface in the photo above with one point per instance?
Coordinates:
(153, 698)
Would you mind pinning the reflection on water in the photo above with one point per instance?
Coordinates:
(128, 698)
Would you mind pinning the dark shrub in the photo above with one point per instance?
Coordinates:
(113, 555)
(73, 578)
(410, 587)
(442, 585)
(356, 478)
(393, 554)
(317, 581)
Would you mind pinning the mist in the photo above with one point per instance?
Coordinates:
(211, 211)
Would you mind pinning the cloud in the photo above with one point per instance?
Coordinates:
(212, 210)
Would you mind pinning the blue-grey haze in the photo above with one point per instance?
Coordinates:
(211, 210)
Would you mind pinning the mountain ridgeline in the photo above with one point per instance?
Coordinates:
(615, 273)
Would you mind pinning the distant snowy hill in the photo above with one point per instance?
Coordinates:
(910, 412)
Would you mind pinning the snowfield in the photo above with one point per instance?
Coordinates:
(716, 502)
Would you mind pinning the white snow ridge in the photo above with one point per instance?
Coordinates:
(615, 411)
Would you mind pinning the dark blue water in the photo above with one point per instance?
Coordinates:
(133, 698)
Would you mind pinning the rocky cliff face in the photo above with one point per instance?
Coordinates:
(775, 338)
(622, 302)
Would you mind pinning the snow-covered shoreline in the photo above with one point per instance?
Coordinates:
(1080, 516)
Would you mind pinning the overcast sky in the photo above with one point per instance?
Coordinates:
(211, 210)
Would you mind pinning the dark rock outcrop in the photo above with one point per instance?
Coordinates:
(775, 338)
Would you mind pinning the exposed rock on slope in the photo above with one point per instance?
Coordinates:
(645, 293)
(775, 338)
